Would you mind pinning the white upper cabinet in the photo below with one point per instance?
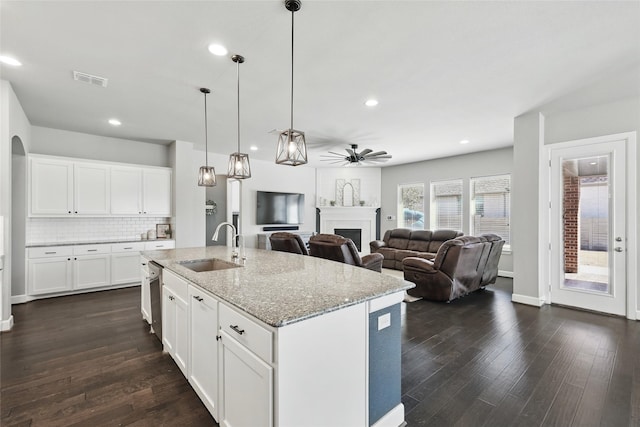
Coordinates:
(64, 187)
(126, 191)
(156, 190)
(51, 185)
(91, 189)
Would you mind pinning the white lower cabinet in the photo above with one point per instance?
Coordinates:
(175, 320)
(47, 275)
(91, 271)
(246, 386)
(203, 333)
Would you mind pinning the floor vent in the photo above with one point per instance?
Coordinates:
(88, 78)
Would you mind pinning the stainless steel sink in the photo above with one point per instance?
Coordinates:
(210, 264)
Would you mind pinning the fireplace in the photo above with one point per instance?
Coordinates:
(354, 234)
(332, 219)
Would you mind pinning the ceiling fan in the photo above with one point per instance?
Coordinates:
(365, 156)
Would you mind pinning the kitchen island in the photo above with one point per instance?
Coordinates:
(281, 339)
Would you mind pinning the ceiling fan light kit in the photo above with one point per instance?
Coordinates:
(239, 167)
(292, 146)
(206, 174)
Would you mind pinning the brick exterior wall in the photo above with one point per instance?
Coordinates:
(571, 216)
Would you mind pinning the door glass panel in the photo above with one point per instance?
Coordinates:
(586, 213)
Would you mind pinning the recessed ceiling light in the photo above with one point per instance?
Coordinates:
(371, 102)
(253, 148)
(218, 49)
(10, 61)
(464, 141)
(593, 163)
(115, 122)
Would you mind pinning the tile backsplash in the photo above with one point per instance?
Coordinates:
(59, 230)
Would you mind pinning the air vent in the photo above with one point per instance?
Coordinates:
(88, 78)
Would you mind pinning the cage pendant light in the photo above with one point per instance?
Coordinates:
(206, 174)
(292, 147)
(239, 166)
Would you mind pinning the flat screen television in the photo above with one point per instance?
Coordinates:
(279, 208)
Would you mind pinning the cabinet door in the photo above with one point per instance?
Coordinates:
(145, 297)
(125, 268)
(91, 185)
(203, 366)
(156, 192)
(126, 191)
(91, 271)
(47, 275)
(51, 187)
(246, 386)
(168, 321)
(181, 355)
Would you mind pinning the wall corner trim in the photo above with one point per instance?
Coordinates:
(525, 299)
(6, 325)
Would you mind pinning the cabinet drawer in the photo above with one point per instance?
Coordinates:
(127, 247)
(151, 246)
(91, 249)
(253, 336)
(175, 284)
(51, 251)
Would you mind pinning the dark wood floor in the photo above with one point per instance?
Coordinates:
(88, 360)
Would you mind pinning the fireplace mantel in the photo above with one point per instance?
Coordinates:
(360, 217)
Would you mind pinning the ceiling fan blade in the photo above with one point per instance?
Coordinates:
(337, 154)
(377, 158)
(350, 151)
(377, 153)
(365, 151)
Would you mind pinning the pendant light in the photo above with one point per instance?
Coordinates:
(207, 174)
(239, 167)
(292, 147)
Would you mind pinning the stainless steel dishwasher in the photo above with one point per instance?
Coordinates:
(155, 291)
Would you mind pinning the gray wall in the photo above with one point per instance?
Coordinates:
(219, 195)
(484, 163)
(56, 142)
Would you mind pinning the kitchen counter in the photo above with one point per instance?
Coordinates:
(90, 242)
(280, 288)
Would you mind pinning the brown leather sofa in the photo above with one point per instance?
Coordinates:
(400, 243)
(341, 249)
(462, 265)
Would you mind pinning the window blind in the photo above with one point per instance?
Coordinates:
(446, 205)
(491, 206)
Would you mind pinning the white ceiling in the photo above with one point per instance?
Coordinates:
(442, 71)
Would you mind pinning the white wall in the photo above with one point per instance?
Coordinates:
(548, 125)
(13, 122)
(56, 142)
(370, 183)
(484, 163)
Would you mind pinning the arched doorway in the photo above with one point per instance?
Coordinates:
(18, 216)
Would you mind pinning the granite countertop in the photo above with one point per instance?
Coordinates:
(91, 242)
(280, 288)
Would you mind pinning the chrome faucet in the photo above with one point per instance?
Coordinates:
(234, 250)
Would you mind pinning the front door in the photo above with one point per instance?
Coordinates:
(588, 225)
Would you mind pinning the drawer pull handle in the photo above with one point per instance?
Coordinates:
(171, 297)
(144, 263)
(198, 298)
(50, 253)
(237, 329)
(127, 248)
(92, 250)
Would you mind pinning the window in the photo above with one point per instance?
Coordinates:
(491, 206)
(411, 206)
(446, 205)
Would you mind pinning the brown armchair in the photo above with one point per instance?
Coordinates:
(288, 242)
(457, 269)
(341, 249)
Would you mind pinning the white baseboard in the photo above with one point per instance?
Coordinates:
(504, 273)
(21, 299)
(393, 418)
(6, 325)
(525, 299)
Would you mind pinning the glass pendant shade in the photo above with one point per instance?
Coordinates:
(207, 176)
(292, 148)
(239, 167)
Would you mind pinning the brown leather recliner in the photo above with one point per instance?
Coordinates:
(457, 269)
(341, 249)
(288, 242)
(490, 273)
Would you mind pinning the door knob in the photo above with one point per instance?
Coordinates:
(618, 239)
(618, 249)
